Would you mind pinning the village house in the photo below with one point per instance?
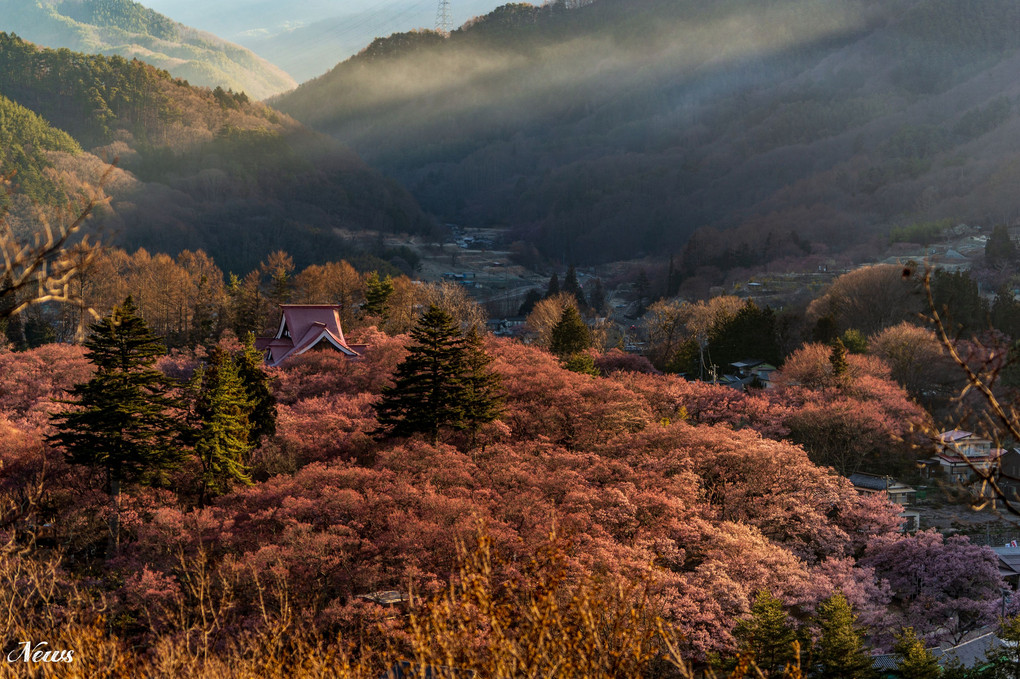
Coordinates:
(961, 452)
(1009, 564)
(304, 327)
(1009, 466)
(899, 493)
(869, 484)
(752, 372)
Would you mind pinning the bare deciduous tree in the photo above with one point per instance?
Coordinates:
(997, 416)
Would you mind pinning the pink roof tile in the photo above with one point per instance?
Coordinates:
(302, 327)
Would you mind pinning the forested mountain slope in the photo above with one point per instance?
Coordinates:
(130, 30)
(200, 168)
(623, 126)
(28, 141)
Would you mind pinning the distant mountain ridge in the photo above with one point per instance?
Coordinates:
(197, 168)
(308, 38)
(131, 30)
(627, 127)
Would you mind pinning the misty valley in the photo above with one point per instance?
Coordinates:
(590, 338)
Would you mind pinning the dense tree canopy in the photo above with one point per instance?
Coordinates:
(119, 420)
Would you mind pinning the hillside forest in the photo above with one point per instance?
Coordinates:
(615, 129)
(131, 30)
(558, 470)
(290, 497)
(195, 168)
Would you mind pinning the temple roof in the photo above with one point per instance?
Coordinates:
(302, 327)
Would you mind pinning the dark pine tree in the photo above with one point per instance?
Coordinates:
(854, 341)
(554, 287)
(430, 390)
(1000, 250)
(837, 359)
(1005, 313)
(204, 314)
(959, 301)
(258, 390)
(751, 333)
(572, 287)
(121, 419)
(597, 298)
(377, 294)
(532, 298)
(570, 335)
(485, 395)
(249, 308)
(826, 329)
(222, 437)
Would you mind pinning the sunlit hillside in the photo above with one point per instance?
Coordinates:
(623, 126)
(197, 168)
(131, 30)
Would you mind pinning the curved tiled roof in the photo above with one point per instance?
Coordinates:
(302, 327)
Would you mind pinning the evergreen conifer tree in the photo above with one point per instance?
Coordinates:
(258, 390)
(583, 364)
(837, 358)
(484, 398)
(751, 333)
(222, 441)
(768, 635)
(854, 341)
(597, 298)
(999, 248)
(570, 335)
(431, 390)
(121, 422)
(572, 287)
(532, 298)
(825, 330)
(916, 662)
(1006, 313)
(554, 287)
(840, 652)
(249, 309)
(958, 300)
(282, 285)
(377, 294)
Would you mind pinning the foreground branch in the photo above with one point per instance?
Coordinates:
(42, 269)
(988, 476)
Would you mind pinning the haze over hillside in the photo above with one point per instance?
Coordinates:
(130, 30)
(307, 39)
(623, 127)
(197, 168)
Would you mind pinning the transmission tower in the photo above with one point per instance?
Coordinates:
(443, 21)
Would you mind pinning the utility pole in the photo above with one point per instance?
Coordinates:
(443, 20)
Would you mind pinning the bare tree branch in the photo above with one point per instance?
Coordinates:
(987, 476)
(40, 269)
